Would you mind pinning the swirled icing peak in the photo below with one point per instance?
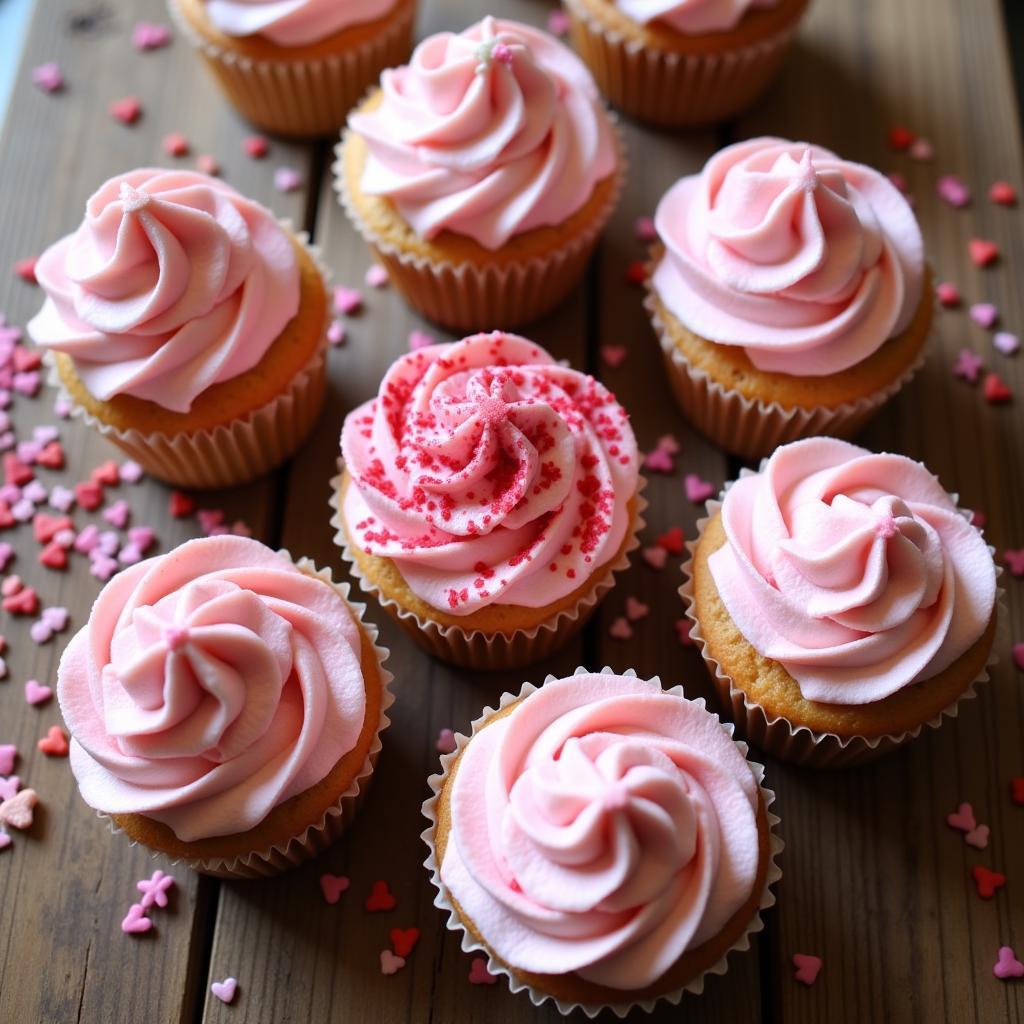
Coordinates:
(693, 17)
(807, 261)
(489, 474)
(293, 22)
(488, 133)
(603, 827)
(173, 282)
(854, 570)
(210, 685)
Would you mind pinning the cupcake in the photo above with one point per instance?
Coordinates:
(859, 608)
(789, 292)
(683, 62)
(188, 326)
(296, 67)
(482, 173)
(488, 497)
(604, 842)
(225, 706)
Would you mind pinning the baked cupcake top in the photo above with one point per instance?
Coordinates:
(489, 474)
(853, 570)
(692, 17)
(807, 261)
(293, 22)
(603, 827)
(210, 685)
(488, 133)
(173, 282)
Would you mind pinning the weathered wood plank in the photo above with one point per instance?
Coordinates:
(66, 885)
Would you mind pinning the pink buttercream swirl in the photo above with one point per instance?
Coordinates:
(210, 685)
(488, 133)
(173, 282)
(853, 570)
(693, 17)
(604, 827)
(807, 261)
(293, 22)
(489, 474)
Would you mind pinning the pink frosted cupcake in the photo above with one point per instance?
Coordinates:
(489, 495)
(482, 173)
(225, 706)
(604, 842)
(790, 294)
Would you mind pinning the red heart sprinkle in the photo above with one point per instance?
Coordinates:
(6, 519)
(996, 391)
(127, 110)
(23, 602)
(89, 494)
(26, 359)
(52, 456)
(672, 541)
(900, 138)
(181, 505)
(15, 471)
(983, 253)
(380, 898)
(403, 940)
(636, 272)
(1017, 790)
(53, 556)
(26, 270)
(54, 743)
(107, 474)
(987, 881)
(256, 146)
(1003, 193)
(46, 527)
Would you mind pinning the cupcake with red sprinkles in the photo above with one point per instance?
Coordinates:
(488, 495)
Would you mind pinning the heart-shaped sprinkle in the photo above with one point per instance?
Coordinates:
(636, 610)
(27, 384)
(420, 339)
(996, 391)
(127, 110)
(25, 359)
(256, 147)
(11, 585)
(659, 461)
(89, 494)
(53, 556)
(403, 940)
(1014, 559)
(35, 492)
(5, 840)
(8, 755)
(962, 818)
(953, 191)
(129, 555)
(636, 273)
(445, 741)
(1003, 193)
(209, 518)
(1006, 342)
(36, 693)
(102, 566)
(380, 898)
(376, 276)
(697, 489)
(987, 881)
(479, 974)
(48, 77)
(23, 602)
(613, 355)
(977, 837)
(16, 471)
(287, 179)
(1007, 965)
(208, 164)
(175, 144)
(671, 540)
(225, 990)
(142, 537)
(118, 514)
(23, 510)
(87, 539)
(921, 150)
(655, 556)
(347, 300)
(54, 743)
(332, 886)
(807, 968)
(130, 472)
(40, 633)
(336, 333)
(668, 443)
(1018, 656)
(6, 554)
(1016, 788)
(389, 963)
(620, 629)
(9, 788)
(51, 456)
(683, 627)
(558, 23)
(984, 314)
(18, 811)
(148, 35)
(107, 473)
(982, 251)
(900, 138)
(155, 888)
(181, 505)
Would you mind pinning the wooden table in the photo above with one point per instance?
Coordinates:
(874, 880)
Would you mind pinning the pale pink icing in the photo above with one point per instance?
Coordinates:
(489, 474)
(604, 827)
(807, 261)
(293, 22)
(692, 17)
(209, 685)
(173, 282)
(854, 570)
(488, 133)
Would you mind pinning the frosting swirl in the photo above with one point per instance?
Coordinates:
(488, 133)
(692, 17)
(807, 261)
(489, 474)
(173, 282)
(293, 22)
(210, 685)
(604, 827)
(856, 571)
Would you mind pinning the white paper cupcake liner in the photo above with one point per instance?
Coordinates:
(753, 429)
(302, 98)
(490, 651)
(232, 453)
(671, 88)
(319, 835)
(479, 297)
(798, 744)
(538, 996)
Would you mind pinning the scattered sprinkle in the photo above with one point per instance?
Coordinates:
(403, 940)
(1003, 193)
(347, 300)
(479, 974)
(130, 472)
(984, 314)
(1006, 342)
(420, 339)
(155, 888)
(36, 693)
(1018, 656)
(982, 251)
(1016, 790)
(671, 540)
(996, 390)
(17, 812)
(48, 77)
(807, 968)
(1007, 965)
(336, 333)
(208, 164)
(225, 990)
(659, 461)
(148, 35)
(636, 273)
(620, 629)
(636, 610)
(953, 191)
(54, 743)
(643, 228)
(987, 881)
(967, 366)
(135, 921)
(380, 898)
(287, 179)
(1014, 559)
(26, 270)
(446, 739)
(376, 276)
(176, 144)
(697, 489)
(921, 150)
(389, 962)
(127, 110)
(256, 147)
(683, 627)
(558, 23)
(655, 556)
(613, 355)
(332, 886)
(181, 505)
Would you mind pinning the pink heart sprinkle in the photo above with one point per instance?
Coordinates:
(35, 492)
(129, 555)
(5, 840)
(347, 300)
(683, 627)
(558, 25)
(336, 333)
(1006, 343)
(102, 567)
(962, 818)
(479, 974)
(9, 788)
(697, 489)
(332, 886)
(8, 755)
(48, 77)
(40, 633)
(56, 617)
(142, 537)
(27, 384)
(643, 228)
(668, 443)
(984, 314)
(130, 472)
(225, 990)
(921, 150)
(208, 164)
(61, 497)
(118, 514)
(1014, 559)
(620, 629)
(108, 542)
(62, 408)
(376, 276)
(18, 811)
(446, 741)
(659, 461)
(636, 610)
(953, 191)
(64, 538)
(287, 179)
(148, 35)
(390, 963)
(6, 441)
(87, 539)
(1018, 656)
(208, 518)
(655, 556)
(36, 693)
(420, 339)
(613, 355)
(977, 837)
(23, 510)
(807, 968)
(1008, 966)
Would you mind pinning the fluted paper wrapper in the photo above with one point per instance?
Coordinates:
(233, 453)
(471, 297)
(302, 98)
(491, 651)
(671, 88)
(538, 996)
(319, 835)
(797, 744)
(754, 429)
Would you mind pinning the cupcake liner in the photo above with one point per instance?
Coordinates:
(671, 88)
(799, 744)
(753, 428)
(302, 98)
(231, 453)
(319, 835)
(483, 651)
(469, 297)
(538, 996)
